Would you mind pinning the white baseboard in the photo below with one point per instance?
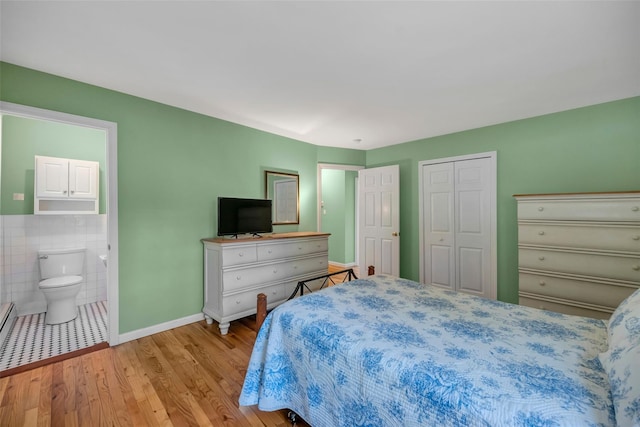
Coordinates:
(161, 327)
(341, 265)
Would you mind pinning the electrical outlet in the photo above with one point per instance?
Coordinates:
(18, 196)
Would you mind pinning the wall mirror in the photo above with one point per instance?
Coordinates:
(283, 189)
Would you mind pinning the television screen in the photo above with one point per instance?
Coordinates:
(239, 216)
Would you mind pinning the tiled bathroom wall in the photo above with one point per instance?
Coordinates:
(24, 235)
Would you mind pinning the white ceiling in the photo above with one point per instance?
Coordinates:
(330, 73)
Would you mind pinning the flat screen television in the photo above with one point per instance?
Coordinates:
(244, 216)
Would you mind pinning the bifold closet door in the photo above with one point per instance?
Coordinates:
(457, 225)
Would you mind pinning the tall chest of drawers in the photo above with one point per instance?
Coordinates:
(236, 271)
(578, 253)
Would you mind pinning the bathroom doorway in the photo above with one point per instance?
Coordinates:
(20, 229)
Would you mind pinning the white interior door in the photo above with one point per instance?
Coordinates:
(458, 223)
(379, 220)
(473, 226)
(438, 200)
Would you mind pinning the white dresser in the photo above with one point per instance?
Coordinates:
(578, 253)
(237, 270)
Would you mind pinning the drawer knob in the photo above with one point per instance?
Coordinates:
(636, 237)
(635, 209)
(541, 258)
(541, 233)
(636, 267)
(542, 283)
(269, 251)
(237, 301)
(275, 271)
(238, 277)
(540, 209)
(240, 254)
(299, 248)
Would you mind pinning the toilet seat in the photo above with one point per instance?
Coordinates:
(59, 282)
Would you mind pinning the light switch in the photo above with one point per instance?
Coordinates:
(18, 196)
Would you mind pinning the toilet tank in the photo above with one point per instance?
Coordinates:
(61, 262)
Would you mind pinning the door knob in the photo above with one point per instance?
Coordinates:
(395, 234)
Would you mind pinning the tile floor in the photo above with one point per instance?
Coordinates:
(31, 340)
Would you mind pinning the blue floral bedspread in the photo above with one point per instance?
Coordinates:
(384, 351)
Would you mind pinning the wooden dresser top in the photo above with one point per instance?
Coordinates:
(274, 236)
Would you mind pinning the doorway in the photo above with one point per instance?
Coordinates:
(109, 130)
(338, 211)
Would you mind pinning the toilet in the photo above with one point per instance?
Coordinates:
(61, 273)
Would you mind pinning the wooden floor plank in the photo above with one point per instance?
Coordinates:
(187, 376)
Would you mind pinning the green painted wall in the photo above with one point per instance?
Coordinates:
(24, 138)
(172, 166)
(595, 148)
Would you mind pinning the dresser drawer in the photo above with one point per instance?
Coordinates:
(241, 254)
(606, 209)
(603, 294)
(563, 308)
(242, 278)
(286, 249)
(308, 265)
(597, 236)
(617, 267)
(247, 301)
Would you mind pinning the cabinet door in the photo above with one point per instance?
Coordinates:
(83, 179)
(52, 177)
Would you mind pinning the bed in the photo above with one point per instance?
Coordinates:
(385, 351)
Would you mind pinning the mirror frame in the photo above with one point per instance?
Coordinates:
(270, 194)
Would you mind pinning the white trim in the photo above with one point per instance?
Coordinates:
(341, 265)
(111, 132)
(161, 327)
(493, 156)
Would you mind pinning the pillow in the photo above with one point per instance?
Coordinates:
(624, 378)
(624, 324)
(622, 360)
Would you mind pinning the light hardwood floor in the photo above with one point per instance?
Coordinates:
(188, 376)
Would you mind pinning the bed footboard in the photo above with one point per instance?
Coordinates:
(261, 308)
